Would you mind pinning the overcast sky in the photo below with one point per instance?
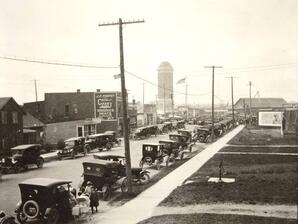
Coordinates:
(254, 40)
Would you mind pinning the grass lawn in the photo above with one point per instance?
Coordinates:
(263, 137)
(214, 219)
(259, 179)
(261, 149)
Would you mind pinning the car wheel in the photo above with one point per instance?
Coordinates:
(144, 178)
(21, 217)
(167, 161)
(124, 186)
(73, 155)
(106, 192)
(88, 148)
(39, 162)
(181, 155)
(31, 209)
(201, 137)
(53, 217)
(157, 162)
(141, 164)
(108, 146)
(17, 168)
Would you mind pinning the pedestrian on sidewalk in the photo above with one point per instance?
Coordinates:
(94, 199)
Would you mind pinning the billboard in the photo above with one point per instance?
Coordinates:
(270, 119)
(106, 105)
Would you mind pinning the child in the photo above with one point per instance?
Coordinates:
(93, 199)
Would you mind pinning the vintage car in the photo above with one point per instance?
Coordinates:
(172, 150)
(22, 157)
(180, 124)
(73, 147)
(139, 175)
(144, 132)
(188, 134)
(101, 141)
(183, 141)
(152, 153)
(202, 133)
(44, 200)
(103, 175)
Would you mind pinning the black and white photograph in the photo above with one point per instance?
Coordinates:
(149, 112)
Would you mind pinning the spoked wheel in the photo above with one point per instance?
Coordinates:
(201, 137)
(54, 217)
(144, 178)
(106, 192)
(124, 186)
(39, 162)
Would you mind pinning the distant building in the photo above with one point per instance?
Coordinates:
(259, 104)
(33, 130)
(165, 88)
(147, 114)
(11, 124)
(79, 113)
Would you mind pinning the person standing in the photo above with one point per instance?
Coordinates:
(94, 199)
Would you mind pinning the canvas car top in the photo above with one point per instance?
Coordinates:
(44, 182)
(100, 162)
(101, 134)
(26, 146)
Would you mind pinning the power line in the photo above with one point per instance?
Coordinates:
(48, 62)
(154, 84)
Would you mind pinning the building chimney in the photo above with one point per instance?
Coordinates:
(78, 90)
(97, 90)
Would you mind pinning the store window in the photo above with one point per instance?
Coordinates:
(89, 129)
(4, 117)
(14, 117)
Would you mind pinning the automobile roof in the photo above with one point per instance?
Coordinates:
(147, 143)
(166, 140)
(96, 156)
(21, 147)
(100, 134)
(99, 161)
(73, 139)
(44, 182)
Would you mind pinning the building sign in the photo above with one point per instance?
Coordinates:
(270, 119)
(106, 106)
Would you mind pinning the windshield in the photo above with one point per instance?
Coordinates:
(70, 143)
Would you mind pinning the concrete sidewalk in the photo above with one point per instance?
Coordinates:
(142, 207)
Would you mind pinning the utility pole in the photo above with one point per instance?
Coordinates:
(244, 109)
(186, 93)
(35, 85)
(144, 103)
(250, 115)
(172, 98)
(164, 99)
(232, 95)
(124, 103)
(212, 109)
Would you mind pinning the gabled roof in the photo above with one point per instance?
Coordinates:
(5, 100)
(30, 121)
(261, 102)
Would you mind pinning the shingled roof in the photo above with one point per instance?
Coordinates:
(30, 121)
(261, 102)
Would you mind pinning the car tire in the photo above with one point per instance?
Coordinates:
(26, 204)
(144, 178)
(39, 162)
(106, 192)
(201, 137)
(108, 146)
(124, 186)
(21, 217)
(88, 148)
(53, 217)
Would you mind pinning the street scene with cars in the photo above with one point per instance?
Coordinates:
(149, 112)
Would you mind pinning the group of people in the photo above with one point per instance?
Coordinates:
(92, 194)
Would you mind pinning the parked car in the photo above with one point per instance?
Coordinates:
(44, 200)
(22, 157)
(172, 150)
(101, 141)
(183, 141)
(103, 175)
(202, 134)
(186, 133)
(141, 133)
(73, 147)
(152, 153)
(139, 175)
(6, 219)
